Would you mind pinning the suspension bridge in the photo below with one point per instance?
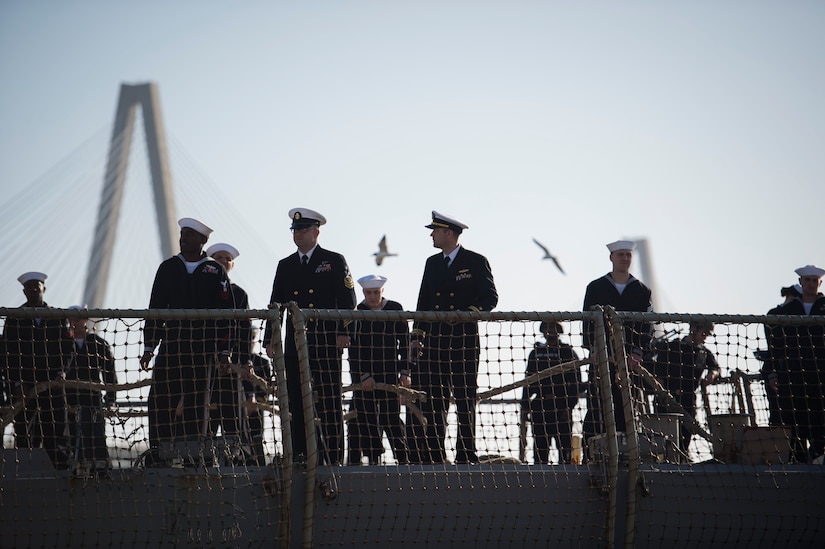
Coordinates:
(101, 219)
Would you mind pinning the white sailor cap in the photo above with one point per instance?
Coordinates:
(372, 281)
(32, 275)
(810, 270)
(621, 245)
(195, 225)
(78, 308)
(444, 221)
(222, 247)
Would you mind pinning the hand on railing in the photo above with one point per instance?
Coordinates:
(710, 377)
(415, 350)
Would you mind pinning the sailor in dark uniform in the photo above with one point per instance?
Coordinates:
(455, 279)
(36, 350)
(802, 348)
(679, 367)
(378, 355)
(315, 278)
(190, 280)
(551, 400)
(623, 292)
(226, 393)
(92, 360)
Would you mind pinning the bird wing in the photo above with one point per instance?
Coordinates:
(382, 251)
(548, 255)
(545, 250)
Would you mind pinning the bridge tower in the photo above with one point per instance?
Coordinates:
(131, 96)
(646, 266)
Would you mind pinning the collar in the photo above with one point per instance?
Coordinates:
(308, 254)
(192, 265)
(452, 254)
(609, 276)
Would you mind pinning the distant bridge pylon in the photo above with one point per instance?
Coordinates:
(646, 266)
(145, 95)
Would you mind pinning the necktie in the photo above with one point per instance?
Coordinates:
(446, 261)
(304, 260)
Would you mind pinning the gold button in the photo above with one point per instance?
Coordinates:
(438, 294)
(311, 291)
(437, 307)
(452, 294)
(295, 292)
(452, 307)
(311, 305)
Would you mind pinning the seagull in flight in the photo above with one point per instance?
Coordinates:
(548, 255)
(382, 251)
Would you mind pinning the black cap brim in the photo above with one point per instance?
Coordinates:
(304, 224)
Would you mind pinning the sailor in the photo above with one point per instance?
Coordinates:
(91, 360)
(36, 350)
(802, 347)
(624, 292)
(189, 348)
(680, 365)
(315, 278)
(455, 279)
(225, 392)
(379, 355)
(550, 401)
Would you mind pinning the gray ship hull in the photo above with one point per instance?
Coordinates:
(485, 505)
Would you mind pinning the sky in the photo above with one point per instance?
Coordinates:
(698, 126)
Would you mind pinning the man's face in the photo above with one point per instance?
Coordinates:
(442, 238)
(225, 259)
(621, 260)
(551, 336)
(305, 237)
(79, 326)
(34, 290)
(191, 241)
(810, 285)
(373, 296)
(699, 335)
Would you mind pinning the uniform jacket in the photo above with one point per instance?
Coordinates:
(325, 283)
(466, 285)
(208, 287)
(35, 352)
(93, 362)
(560, 386)
(635, 298)
(679, 365)
(798, 352)
(380, 346)
(801, 342)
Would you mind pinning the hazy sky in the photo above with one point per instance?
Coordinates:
(697, 125)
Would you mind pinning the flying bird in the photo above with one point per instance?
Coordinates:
(548, 255)
(382, 251)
